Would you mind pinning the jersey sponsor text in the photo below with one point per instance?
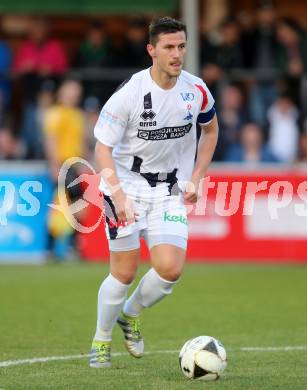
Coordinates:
(164, 133)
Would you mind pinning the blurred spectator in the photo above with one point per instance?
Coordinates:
(292, 51)
(38, 58)
(251, 148)
(260, 54)
(92, 109)
(302, 156)
(260, 45)
(5, 85)
(118, 54)
(64, 138)
(94, 50)
(33, 119)
(292, 55)
(136, 41)
(247, 25)
(10, 146)
(224, 55)
(64, 127)
(229, 51)
(283, 129)
(232, 116)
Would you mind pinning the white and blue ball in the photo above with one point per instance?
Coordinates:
(203, 357)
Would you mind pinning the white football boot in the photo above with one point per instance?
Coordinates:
(132, 333)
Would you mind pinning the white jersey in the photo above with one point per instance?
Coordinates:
(153, 133)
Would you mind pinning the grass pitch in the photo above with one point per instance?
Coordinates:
(50, 310)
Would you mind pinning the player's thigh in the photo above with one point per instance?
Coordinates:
(124, 264)
(168, 260)
(167, 223)
(166, 237)
(124, 243)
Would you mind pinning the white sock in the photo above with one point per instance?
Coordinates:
(151, 289)
(111, 297)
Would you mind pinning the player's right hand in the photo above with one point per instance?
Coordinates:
(191, 193)
(124, 207)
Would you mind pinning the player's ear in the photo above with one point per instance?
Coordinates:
(151, 50)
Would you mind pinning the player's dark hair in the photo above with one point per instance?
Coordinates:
(165, 25)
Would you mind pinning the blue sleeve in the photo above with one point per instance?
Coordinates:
(205, 117)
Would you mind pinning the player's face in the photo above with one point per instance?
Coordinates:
(169, 52)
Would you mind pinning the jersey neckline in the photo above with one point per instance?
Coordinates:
(158, 86)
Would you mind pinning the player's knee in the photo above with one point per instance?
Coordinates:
(170, 274)
(125, 276)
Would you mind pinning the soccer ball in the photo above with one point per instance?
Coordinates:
(203, 357)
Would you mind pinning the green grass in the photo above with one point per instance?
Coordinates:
(51, 311)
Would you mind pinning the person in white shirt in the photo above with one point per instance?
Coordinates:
(146, 145)
(283, 129)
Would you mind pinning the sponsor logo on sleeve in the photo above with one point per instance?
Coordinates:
(107, 117)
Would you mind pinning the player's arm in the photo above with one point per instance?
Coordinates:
(123, 205)
(109, 130)
(206, 147)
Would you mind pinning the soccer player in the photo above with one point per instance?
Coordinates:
(146, 145)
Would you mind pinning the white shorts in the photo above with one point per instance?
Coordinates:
(160, 222)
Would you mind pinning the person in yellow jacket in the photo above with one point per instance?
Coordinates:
(64, 134)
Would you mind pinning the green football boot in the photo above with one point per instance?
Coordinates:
(100, 356)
